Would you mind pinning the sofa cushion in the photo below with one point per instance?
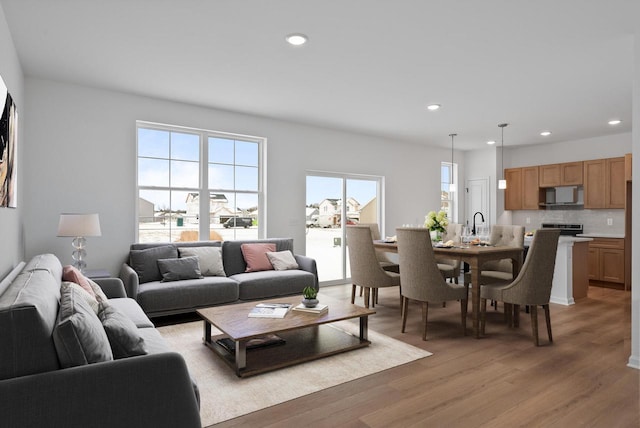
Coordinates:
(79, 336)
(179, 268)
(145, 262)
(210, 259)
(282, 260)
(164, 297)
(255, 256)
(233, 259)
(89, 298)
(72, 274)
(264, 284)
(132, 310)
(122, 333)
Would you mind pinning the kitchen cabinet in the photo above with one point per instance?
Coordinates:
(561, 174)
(606, 260)
(628, 158)
(604, 183)
(522, 192)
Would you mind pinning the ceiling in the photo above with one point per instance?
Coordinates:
(370, 66)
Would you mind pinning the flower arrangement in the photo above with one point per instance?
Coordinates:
(436, 222)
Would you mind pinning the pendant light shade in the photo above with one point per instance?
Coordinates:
(452, 184)
(502, 183)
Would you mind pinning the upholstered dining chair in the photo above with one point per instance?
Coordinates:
(450, 268)
(381, 255)
(532, 286)
(365, 268)
(421, 279)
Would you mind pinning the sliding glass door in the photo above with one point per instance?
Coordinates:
(334, 201)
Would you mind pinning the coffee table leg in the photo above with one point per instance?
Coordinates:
(364, 323)
(207, 332)
(241, 355)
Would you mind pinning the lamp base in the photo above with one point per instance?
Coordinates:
(79, 253)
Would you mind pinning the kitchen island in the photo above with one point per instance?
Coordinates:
(570, 277)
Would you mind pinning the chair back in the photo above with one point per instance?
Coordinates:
(453, 232)
(504, 235)
(533, 284)
(364, 265)
(419, 274)
(375, 236)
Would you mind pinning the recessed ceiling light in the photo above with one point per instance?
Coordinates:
(433, 107)
(545, 133)
(615, 122)
(491, 142)
(296, 39)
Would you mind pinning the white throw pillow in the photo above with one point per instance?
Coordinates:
(84, 294)
(282, 260)
(210, 259)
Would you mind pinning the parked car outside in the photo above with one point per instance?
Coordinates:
(238, 222)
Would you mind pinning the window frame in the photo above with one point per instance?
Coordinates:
(203, 189)
(453, 194)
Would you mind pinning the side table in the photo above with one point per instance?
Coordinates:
(97, 273)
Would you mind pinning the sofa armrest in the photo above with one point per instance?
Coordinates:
(130, 280)
(146, 391)
(112, 287)
(308, 264)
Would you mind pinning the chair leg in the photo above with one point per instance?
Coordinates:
(373, 297)
(463, 310)
(353, 293)
(508, 314)
(534, 324)
(405, 309)
(376, 294)
(361, 288)
(483, 314)
(425, 316)
(367, 292)
(516, 315)
(547, 317)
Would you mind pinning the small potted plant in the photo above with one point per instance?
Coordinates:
(309, 294)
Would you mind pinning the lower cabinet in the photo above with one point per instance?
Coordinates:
(606, 260)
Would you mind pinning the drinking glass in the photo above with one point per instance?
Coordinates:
(465, 235)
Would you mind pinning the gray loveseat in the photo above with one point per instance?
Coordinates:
(152, 390)
(159, 298)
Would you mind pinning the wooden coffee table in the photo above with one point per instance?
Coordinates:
(307, 336)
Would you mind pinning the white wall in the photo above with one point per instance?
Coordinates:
(11, 248)
(483, 163)
(81, 158)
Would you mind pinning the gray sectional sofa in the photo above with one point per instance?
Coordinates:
(152, 390)
(158, 298)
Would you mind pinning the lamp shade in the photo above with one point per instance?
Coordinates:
(79, 225)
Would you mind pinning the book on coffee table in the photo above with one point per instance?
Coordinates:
(318, 309)
(270, 310)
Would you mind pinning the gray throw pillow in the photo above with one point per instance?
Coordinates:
(123, 334)
(78, 336)
(178, 269)
(145, 262)
(210, 259)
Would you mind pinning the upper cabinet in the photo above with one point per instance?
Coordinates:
(628, 158)
(561, 174)
(523, 191)
(604, 183)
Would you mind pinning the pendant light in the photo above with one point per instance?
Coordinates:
(502, 184)
(452, 185)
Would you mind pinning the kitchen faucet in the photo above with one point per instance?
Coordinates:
(473, 231)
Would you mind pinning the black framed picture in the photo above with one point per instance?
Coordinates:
(8, 143)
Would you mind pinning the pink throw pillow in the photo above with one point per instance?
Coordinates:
(255, 255)
(72, 274)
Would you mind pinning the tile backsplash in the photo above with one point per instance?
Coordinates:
(594, 221)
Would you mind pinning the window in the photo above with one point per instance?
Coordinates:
(195, 184)
(448, 194)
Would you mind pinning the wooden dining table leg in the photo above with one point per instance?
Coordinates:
(475, 296)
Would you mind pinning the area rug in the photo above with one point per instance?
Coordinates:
(225, 396)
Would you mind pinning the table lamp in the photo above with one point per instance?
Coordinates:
(79, 226)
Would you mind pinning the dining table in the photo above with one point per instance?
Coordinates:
(475, 256)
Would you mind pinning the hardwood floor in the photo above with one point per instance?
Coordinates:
(581, 380)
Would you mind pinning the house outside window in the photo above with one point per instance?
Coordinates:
(195, 184)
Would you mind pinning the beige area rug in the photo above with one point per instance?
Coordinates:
(225, 396)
